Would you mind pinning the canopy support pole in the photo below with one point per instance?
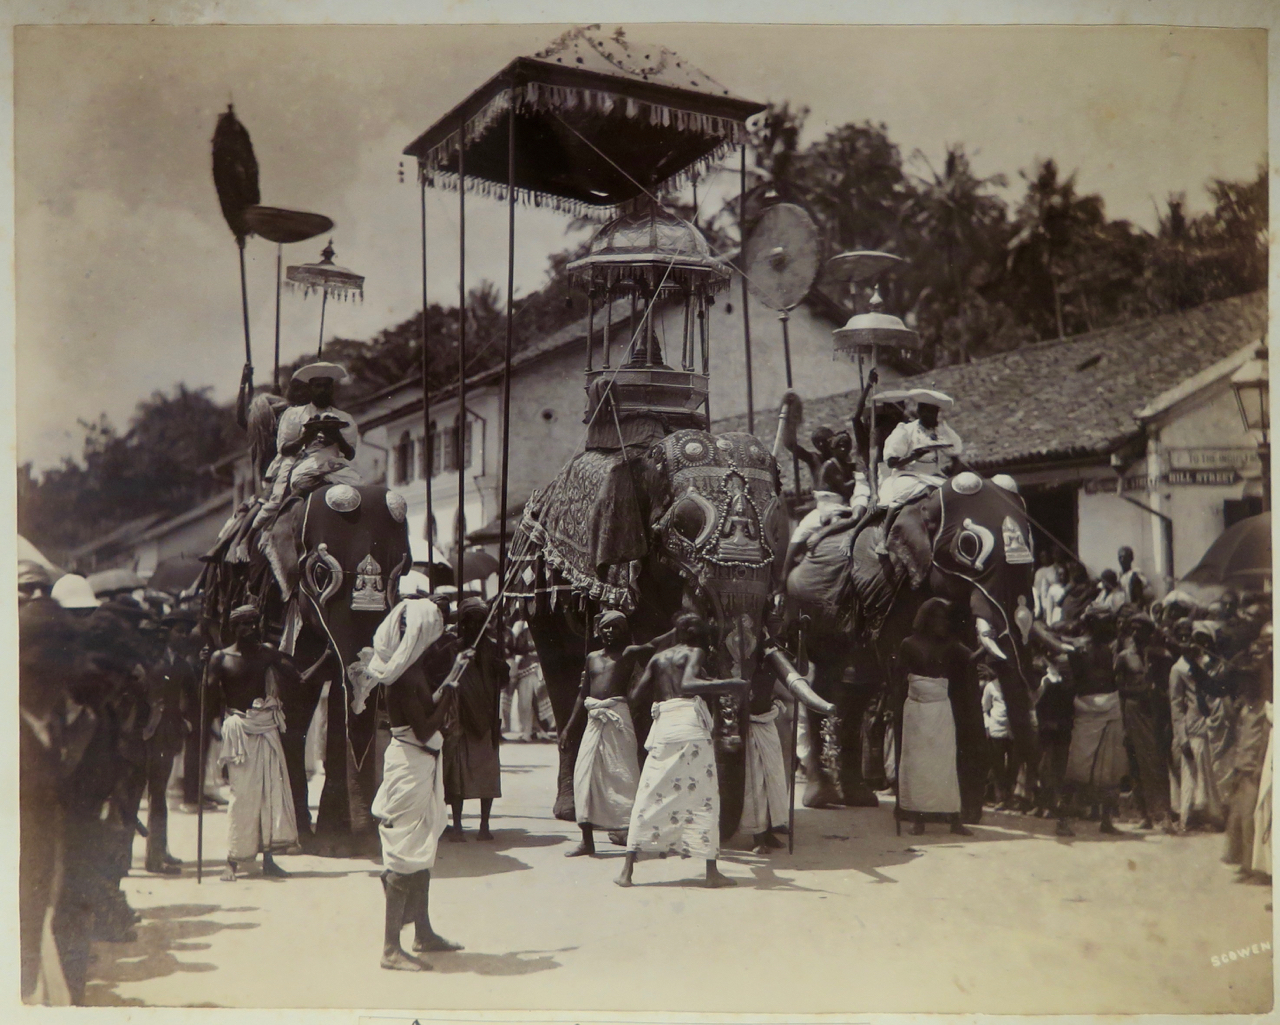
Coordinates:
(324, 301)
(460, 437)
(746, 315)
(428, 454)
(506, 364)
(785, 317)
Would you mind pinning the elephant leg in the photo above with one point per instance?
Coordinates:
(1023, 733)
(856, 701)
(299, 711)
(332, 818)
(569, 743)
(822, 763)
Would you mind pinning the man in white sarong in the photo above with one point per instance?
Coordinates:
(409, 805)
(928, 774)
(607, 769)
(677, 807)
(1200, 724)
(261, 813)
(766, 784)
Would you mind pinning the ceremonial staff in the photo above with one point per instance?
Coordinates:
(235, 176)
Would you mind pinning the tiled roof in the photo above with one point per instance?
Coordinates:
(1074, 398)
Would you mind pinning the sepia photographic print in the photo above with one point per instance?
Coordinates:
(612, 513)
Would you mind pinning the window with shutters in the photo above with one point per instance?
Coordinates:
(404, 459)
(444, 449)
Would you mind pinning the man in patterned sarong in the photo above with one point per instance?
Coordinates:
(677, 807)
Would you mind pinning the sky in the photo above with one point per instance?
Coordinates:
(127, 275)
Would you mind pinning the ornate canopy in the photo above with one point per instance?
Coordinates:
(599, 120)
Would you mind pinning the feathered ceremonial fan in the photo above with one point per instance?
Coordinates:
(235, 173)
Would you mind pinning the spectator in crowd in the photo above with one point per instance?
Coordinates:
(1200, 724)
(995, 718)
(1110, 596)
(1145, 710)
(1079, 593)
(1048, 574)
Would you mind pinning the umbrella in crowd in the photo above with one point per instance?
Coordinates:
(175, 574)
(477, 565)
(28, 551)
(114, 581)
(1240, 558)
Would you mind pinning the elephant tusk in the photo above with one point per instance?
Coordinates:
(986, 639)
(803, 693)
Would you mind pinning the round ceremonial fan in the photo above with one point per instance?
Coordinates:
(285, 226)
(782, 256)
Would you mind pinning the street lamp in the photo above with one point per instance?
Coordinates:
(1252, 386)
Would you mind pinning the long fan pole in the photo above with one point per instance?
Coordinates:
(746, 315)
(460, 524)
(428, 447)
(275, 373)
(203, 729)
(506, 365)
(244, 308)
(785, 317)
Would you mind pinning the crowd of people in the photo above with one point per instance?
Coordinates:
(109, 700)
(1168, 702)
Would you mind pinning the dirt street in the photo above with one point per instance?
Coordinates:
(858, 919)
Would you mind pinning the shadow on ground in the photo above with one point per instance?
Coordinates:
(486, 857)
(163, 934)
(517, 962)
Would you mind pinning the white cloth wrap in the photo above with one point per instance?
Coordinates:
(607, 771)
(766, 782)
(261, 813)
(927, 777)
(409, 805)
(401, 638)
(677, 807)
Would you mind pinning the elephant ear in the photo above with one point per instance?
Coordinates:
(910, 543)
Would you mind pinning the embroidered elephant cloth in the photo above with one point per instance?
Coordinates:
(607, 771)
(677, 808)
(928, 780)
(261, 813)
(766, 774)
(409, 805)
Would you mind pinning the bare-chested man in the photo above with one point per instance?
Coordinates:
(606, 772)
(677, 806)
(245, 680)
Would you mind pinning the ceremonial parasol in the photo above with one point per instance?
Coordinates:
(598, 120)
(283, 227)
(329, 279)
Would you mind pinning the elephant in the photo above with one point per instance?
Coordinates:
(693, 521)
(324, 578)
(967, 541)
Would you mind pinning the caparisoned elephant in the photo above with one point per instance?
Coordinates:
(968, 541)
(693, 521)
(324, 578)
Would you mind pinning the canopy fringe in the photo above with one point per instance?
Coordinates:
(557, 98)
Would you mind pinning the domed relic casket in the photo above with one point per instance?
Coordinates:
(638, 267)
